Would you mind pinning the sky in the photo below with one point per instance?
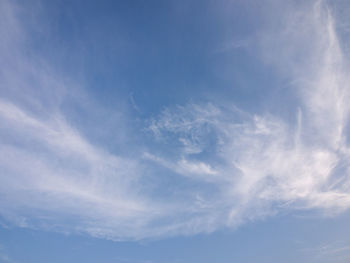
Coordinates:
(177, 131)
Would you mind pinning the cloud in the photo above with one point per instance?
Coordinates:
(335, 252)
(3, 256)
(55, 170)
(51, 175)
(208, 166)
(265, 161)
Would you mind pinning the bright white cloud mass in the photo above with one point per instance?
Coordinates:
(205, 165)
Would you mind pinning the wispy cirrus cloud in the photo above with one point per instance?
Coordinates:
(51, 175)
(230, 165)
(264, 160)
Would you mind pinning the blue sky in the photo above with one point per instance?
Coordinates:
(174, 131)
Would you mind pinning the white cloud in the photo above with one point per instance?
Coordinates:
(51, 175)
(231, 166)
(265, 160)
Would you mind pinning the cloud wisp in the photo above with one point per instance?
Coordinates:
(230, 165)
(263, 163)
